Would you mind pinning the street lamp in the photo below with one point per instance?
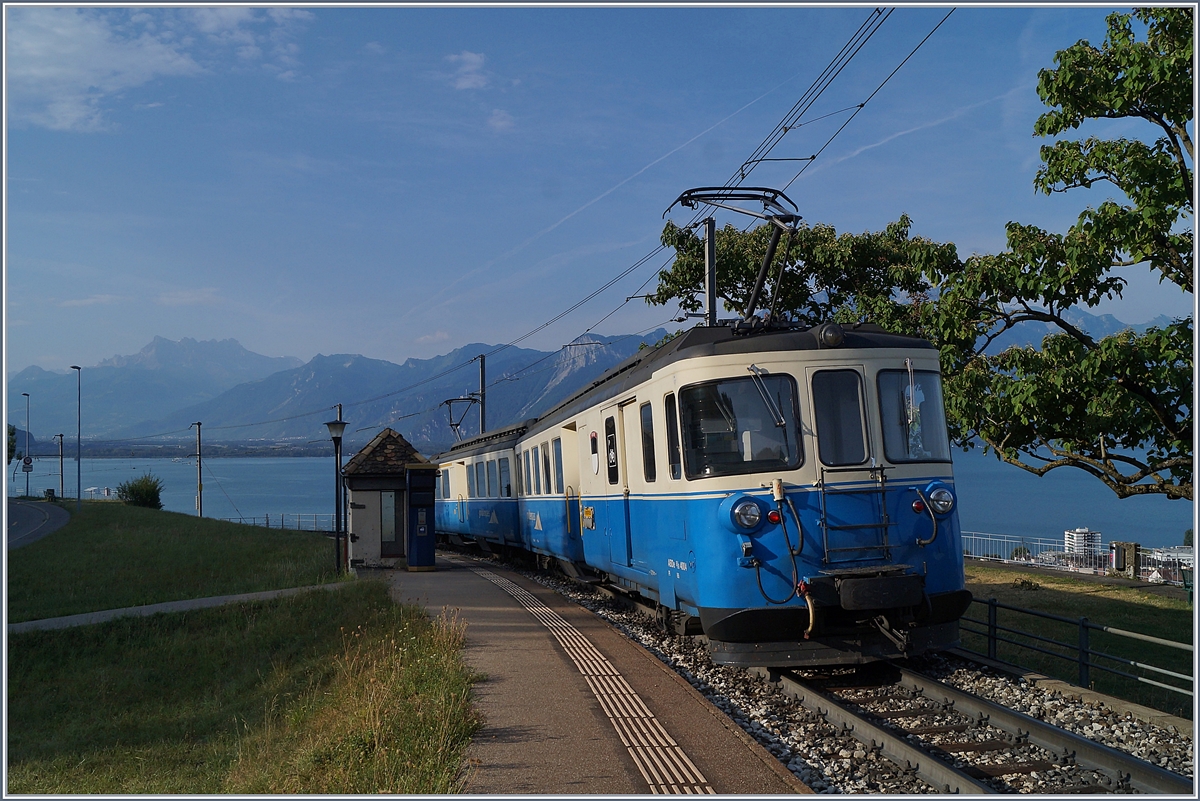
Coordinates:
(78, 438)
(26, 394)
(336, 429)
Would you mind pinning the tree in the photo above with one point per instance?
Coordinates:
(12, 442)
(1118, 408)
(1187, 537)
(144, 491)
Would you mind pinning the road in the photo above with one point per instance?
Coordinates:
(29, 521)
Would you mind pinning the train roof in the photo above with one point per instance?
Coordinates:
(693, 343)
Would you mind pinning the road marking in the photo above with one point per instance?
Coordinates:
(663, 764)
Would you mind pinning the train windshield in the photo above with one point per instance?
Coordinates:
(740, 425)
(914, 420)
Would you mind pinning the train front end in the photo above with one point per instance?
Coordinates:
(822, 494)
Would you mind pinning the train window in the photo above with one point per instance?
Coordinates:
(504, 488)
(546, 464)
(647, 441)
(837, 403)
(556, 444)
(673, 438)
(595, 455)
(610, 449)
(480, 480)
(520, 476)
(537, 471)
(729, 427)
(470, 481)
(493, 484)
(914, 420)
(445, 477)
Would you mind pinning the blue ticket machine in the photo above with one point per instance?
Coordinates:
(421, 482)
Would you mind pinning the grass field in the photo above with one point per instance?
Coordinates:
(338, 691)
(111, 555)
(324, 692)
(1127, 608)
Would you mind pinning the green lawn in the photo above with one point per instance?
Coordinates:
(1127, 608)
(111, 555)
(323, 692)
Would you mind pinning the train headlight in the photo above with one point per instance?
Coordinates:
(747, 514)
(942, 500)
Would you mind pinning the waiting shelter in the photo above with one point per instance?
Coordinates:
(389, 491)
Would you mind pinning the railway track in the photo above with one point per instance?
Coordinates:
(961, 743)
(912, 731)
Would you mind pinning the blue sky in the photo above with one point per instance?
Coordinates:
(399, 181)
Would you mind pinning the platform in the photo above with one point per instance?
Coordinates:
(571, 706)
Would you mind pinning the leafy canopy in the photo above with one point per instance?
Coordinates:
(1118, 408)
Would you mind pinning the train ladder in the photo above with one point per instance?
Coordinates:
(838, 552)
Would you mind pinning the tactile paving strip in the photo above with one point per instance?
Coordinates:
(662, 762)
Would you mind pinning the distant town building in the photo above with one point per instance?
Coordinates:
(1081, 540)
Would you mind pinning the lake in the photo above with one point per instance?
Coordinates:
(993, 497)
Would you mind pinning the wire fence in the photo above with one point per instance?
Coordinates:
(288, 520)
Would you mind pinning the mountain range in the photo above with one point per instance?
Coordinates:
(267, 402)
(154, 396)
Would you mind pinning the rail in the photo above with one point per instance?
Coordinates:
(1084, 655)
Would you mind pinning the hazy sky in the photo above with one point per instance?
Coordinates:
(399, 181)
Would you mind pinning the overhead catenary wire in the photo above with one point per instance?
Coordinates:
(789, 122)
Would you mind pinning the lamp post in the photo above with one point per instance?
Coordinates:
(78, 438)
(336, 429)
(26, 394)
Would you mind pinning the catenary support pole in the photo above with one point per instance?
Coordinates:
(482, 394)
(199, 475)
(710, 272)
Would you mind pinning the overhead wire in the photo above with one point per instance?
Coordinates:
(789, 122)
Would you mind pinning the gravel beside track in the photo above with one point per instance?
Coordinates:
(831, 761)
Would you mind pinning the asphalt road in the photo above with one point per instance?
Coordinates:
(29, 521)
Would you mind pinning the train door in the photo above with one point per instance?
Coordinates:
(616, 483)
(854, 520)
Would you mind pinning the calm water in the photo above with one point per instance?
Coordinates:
(993, 497)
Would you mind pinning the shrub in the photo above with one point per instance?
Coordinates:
(145, 491)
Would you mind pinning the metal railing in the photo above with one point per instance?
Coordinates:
(1083, 654)
(1157, 565)
(288, 520)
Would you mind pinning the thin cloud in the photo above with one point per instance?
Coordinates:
(469, 74)
(188, 297)
(90, 301)
(429, 339)
(63, 62)
(66, 66)
(500, 120)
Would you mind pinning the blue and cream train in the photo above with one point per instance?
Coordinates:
(789, 493)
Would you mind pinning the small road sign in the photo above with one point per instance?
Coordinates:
(27, 464)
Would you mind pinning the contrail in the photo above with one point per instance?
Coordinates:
(935, 123)
(517, 249)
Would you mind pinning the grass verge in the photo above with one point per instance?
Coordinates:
(111, 556)
(1127, 608)
(323, 692)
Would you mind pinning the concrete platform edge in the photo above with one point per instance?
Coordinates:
(753, 745)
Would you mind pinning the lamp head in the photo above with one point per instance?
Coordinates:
(336, 427)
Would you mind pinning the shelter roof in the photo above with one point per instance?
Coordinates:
(387, 454)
